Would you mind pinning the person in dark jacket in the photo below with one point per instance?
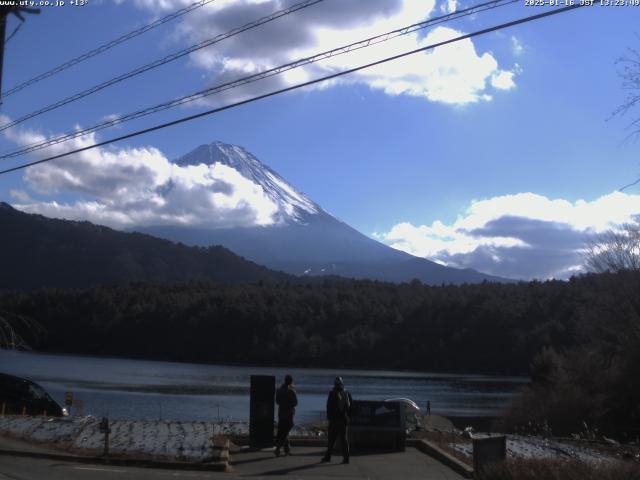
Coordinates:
(338, 414)
(287, 400)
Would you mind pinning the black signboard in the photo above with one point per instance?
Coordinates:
(368, 413)
(377, 426)
(261, 406)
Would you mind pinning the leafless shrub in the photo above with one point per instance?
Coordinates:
(572, 469)
(615, 250)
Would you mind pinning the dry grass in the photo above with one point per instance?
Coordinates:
(541, 469)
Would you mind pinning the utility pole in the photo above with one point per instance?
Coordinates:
(4, 13)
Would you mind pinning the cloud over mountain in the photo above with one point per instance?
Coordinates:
(519, 236)
(524, 235)
(452, 74)
(123, 187)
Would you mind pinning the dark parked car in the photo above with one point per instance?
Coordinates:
(19, 394)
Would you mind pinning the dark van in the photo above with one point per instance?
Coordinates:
(19, 394)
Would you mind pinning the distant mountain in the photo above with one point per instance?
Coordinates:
(305, 239)
(36, 251)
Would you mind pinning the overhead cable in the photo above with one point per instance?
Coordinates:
(258, 76)
(162, 61)
(512, 23)
(103, 48)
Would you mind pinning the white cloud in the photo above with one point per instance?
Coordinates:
(520, 236)
(453, 74)
(448, 6)
(20, 195)
(516, 46)
(503, 80)
(125, 187)
(112, 117)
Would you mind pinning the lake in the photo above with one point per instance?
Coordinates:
(143, 389)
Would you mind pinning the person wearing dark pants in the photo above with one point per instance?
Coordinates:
(338, 414)
(287, 400)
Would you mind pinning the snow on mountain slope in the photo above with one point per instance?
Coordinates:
(293, 205)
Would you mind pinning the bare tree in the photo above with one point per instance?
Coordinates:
(616, 249)
(10, 339)
(630, 76)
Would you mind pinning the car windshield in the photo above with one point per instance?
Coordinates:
(37, 393)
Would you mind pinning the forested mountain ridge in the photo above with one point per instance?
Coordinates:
(36, 251)
(348, 323)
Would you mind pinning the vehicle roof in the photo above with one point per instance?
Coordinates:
(13, 378)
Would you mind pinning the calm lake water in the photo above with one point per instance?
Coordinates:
(139, 389)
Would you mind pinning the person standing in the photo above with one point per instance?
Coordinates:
(287, 400)
(338, 414)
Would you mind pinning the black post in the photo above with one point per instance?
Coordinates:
(261, 407)
(104, 428)
(3, 31)
(488, 450)
(4, 13)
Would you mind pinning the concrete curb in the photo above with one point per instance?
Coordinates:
(219, 466)
(436, 452)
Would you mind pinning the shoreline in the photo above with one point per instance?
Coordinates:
(516, 378)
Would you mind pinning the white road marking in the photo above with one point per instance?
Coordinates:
(100, 469)
(190, 475)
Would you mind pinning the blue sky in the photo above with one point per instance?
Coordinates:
(515, 121)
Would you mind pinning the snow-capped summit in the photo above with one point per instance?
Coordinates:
(303, 239)
(293, 205)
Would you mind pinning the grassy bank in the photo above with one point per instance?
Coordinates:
(545, 469)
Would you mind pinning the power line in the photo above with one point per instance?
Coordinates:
(259, 76)
(107, 46)
(632, 184)
(512, 23)
(15, 30)
(163, 61)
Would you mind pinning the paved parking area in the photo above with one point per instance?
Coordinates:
(305, 464)
(245, 463)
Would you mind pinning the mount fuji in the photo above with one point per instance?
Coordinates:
(303, 239)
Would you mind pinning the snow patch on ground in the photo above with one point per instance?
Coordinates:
(186, 441)
(160, 439)
(519, 446)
